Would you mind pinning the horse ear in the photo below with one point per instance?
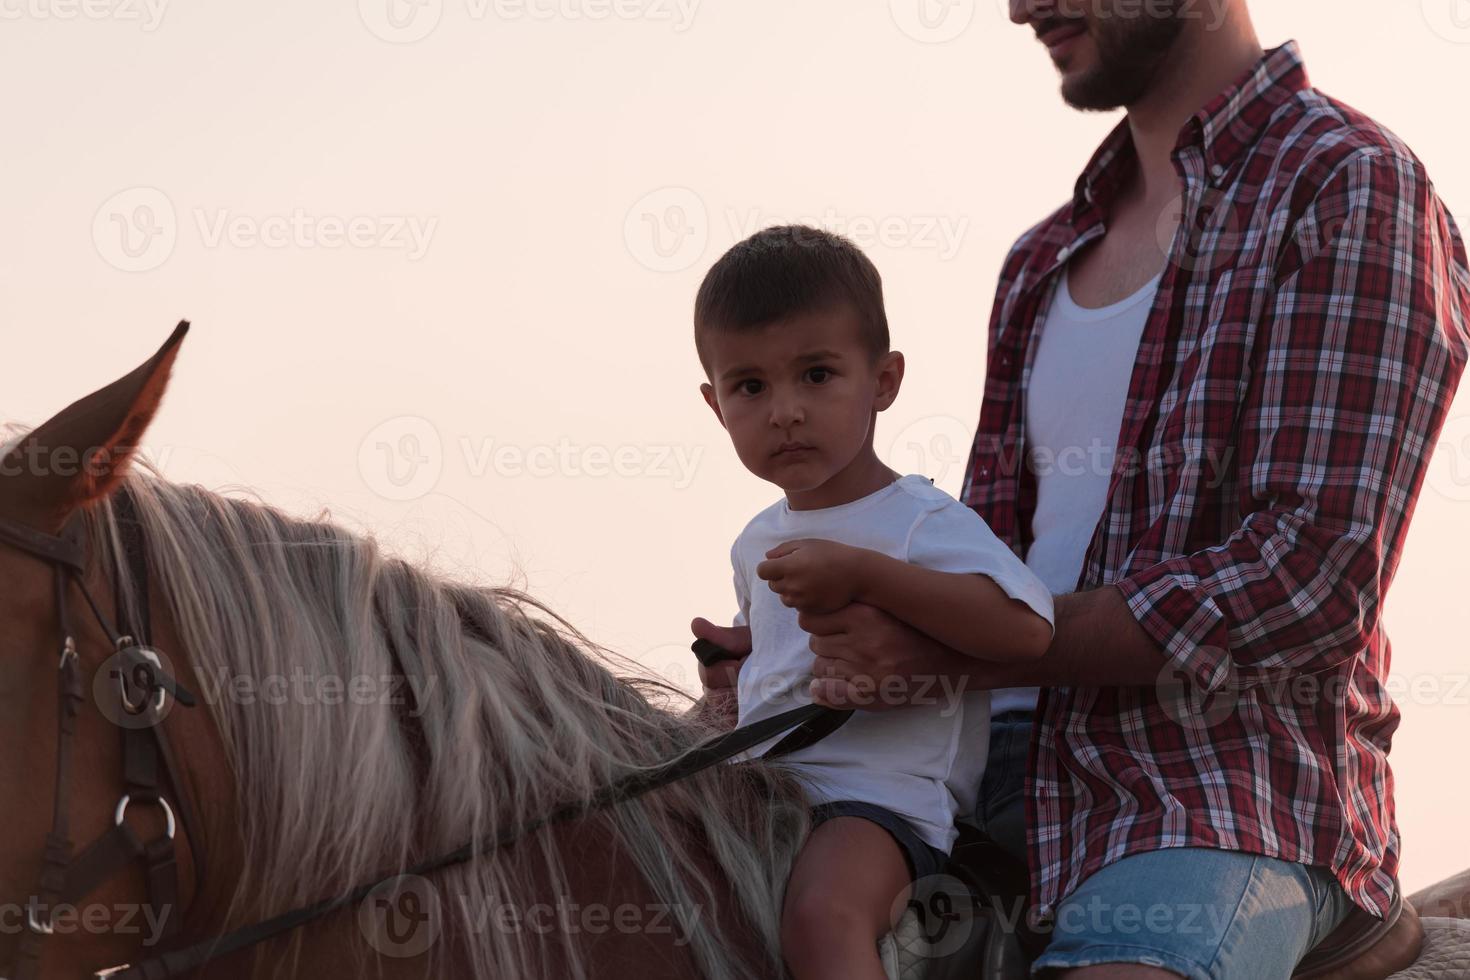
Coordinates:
(82, 454)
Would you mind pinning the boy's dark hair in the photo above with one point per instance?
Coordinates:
(787, 271)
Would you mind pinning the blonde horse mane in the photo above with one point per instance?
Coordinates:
(517, 713)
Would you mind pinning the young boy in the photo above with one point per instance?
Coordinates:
(793, 338)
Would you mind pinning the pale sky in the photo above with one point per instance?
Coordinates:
(441, 258)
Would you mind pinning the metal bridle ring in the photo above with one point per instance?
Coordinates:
(168, 812)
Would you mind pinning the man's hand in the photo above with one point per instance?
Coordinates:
(814, 575)
(869, 660)
(720, 704)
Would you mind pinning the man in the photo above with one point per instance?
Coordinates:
(1250, 320)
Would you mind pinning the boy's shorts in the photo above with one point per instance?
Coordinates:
(922, 858)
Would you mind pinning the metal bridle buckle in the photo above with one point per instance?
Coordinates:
(68, 652)
(132, 704)
(168, 812)
(37, 926)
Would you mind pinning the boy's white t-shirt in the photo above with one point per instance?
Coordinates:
(924, 762)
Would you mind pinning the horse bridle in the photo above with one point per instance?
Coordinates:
(143, 689)
(148, 770)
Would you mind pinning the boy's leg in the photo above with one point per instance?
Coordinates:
(1195, 912)
(848, 879)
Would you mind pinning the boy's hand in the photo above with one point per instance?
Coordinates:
(720, 705)
(814, 575)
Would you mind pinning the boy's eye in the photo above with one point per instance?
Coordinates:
(742, 389)
(822, 371)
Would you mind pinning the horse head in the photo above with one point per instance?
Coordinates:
(352, 715)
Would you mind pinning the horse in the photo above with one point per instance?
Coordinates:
(358, 714)
(355, 717)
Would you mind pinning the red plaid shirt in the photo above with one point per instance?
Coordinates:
(1293, 376)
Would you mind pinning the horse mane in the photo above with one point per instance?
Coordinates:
(513, 713)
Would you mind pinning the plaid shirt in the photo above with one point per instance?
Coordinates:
(1293, 376)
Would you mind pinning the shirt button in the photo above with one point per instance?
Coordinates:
(1065, 253)
(984, 471)
(1217, 171)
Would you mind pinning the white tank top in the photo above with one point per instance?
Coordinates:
(1074, 409)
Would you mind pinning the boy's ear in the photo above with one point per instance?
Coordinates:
(890, 379)
(708, 392)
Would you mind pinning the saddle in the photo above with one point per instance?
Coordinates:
(970, 924)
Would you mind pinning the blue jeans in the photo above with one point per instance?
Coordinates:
(1205, 914)
(1000, 812)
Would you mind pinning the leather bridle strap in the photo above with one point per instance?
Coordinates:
(64, 553)
(711, 753)
(64, 880)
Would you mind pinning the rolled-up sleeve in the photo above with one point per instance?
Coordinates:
(1357, 356)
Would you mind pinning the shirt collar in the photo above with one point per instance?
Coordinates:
(1224, 129)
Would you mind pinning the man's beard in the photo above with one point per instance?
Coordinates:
(1130, 51)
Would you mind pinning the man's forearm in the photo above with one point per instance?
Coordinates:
(1098, 643)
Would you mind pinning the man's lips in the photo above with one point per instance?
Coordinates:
(1056, 33)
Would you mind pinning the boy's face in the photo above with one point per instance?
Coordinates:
(806, 381)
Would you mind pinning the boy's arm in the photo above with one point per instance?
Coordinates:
(966, 611)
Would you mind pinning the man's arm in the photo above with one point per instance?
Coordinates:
(861, 648)
(1357, 359)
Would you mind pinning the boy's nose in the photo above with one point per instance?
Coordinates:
(785, 411)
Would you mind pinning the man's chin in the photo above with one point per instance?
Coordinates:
(1087, 91)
